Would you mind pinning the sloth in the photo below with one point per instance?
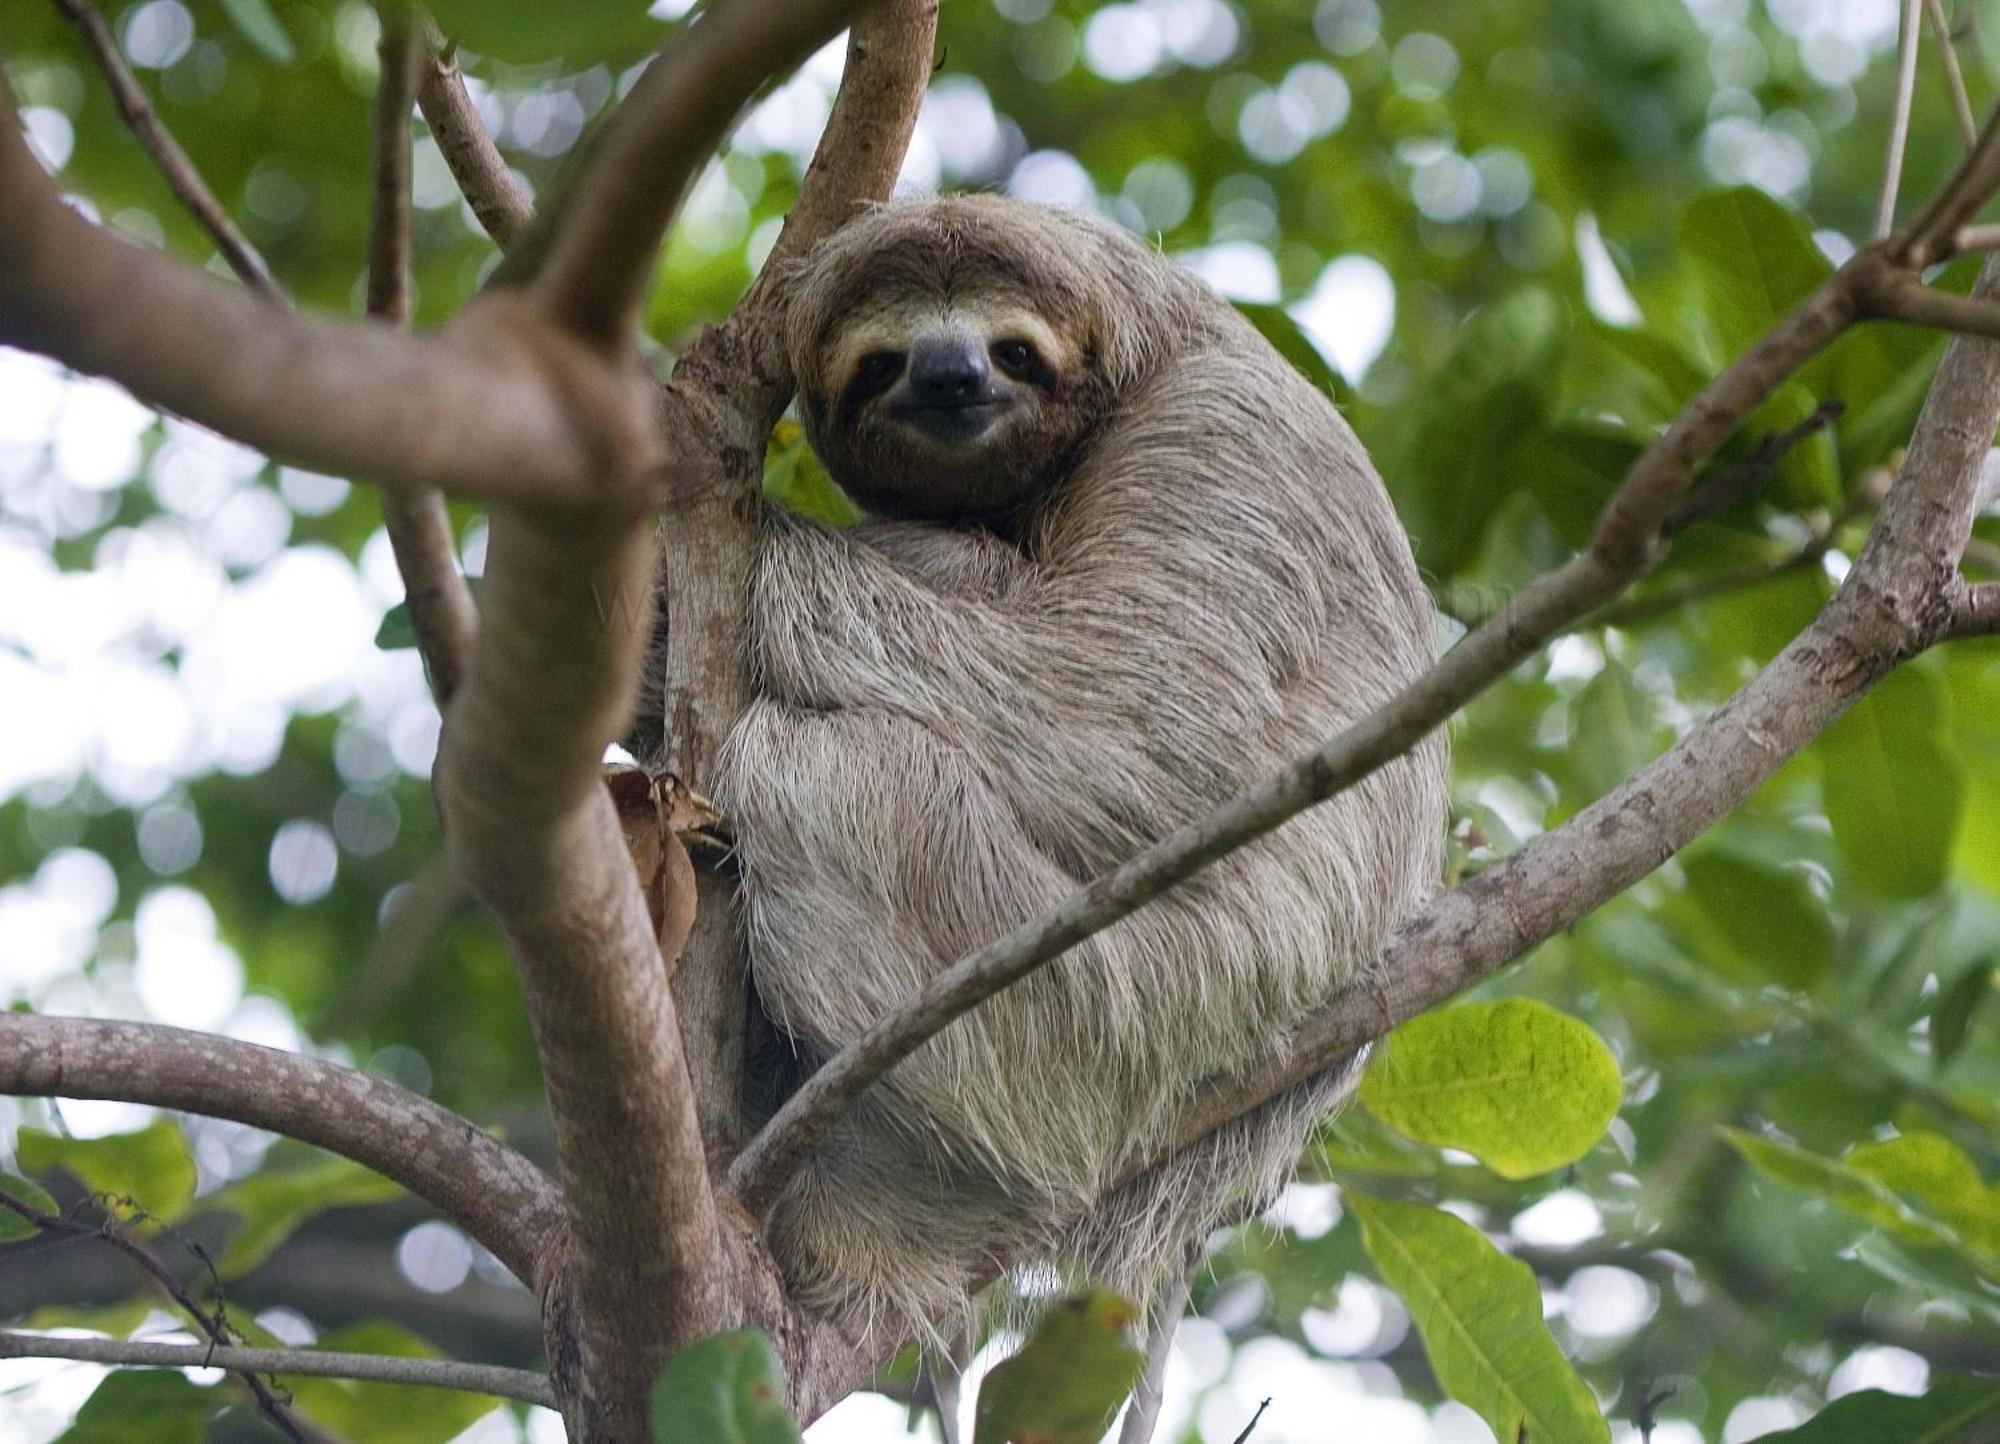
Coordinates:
(1121, 561)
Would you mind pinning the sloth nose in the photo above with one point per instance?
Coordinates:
(946, 371)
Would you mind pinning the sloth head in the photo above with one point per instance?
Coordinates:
(954, 355)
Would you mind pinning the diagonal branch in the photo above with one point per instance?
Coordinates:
(485, 1187)
(180, 173)
(1978, 611)
(441, 610)
(1896, 600)
(1954, 78)
(483, 175)
(493, 1379)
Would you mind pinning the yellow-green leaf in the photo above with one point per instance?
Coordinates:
(152, 1167)
(1066, 1382)
(1515, 1083)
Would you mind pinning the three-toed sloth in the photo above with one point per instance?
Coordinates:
(1122, 561)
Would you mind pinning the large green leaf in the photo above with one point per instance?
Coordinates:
(274, 1203)
(729, 1389)
(1479, 1314)
(794, 479)
(1514, 1083)
(1457, 463)
(1944, 1414)
(258, 25)
(152, 1167)
(1934, 1174)
(1755, 260)
(1892, 791)
(1755, 921)
(1067, 1380)
(1614, 730)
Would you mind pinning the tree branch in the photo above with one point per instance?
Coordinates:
(1978, 613)
(1895, 601)
(494, 1194)
(1624, 546)
(501, 1383)
(441, 609)
(484, 178)
(1908, 299)
(590, 271)
(1907, 33)
(210, 1323)
(180, 173)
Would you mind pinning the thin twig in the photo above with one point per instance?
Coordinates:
(491, 1379)
(1971, 239)
(1954, 78)
(1740, 479)
(212, 1323)
(1899, 116)
(442, 614)
(484, 178)
(1251, 1427)
(180, 173)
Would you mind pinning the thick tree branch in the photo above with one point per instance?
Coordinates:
(501, 1383)
(180, 173)
(483, 175)
(496, 405)
(494, 1194)
(1910, 300)
(590, 269)
(441, 609)
(727, 391)
(1626, 543)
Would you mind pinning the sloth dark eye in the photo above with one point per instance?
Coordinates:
(876, 371)
(1015, 357)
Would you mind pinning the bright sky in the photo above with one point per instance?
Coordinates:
(195, 635)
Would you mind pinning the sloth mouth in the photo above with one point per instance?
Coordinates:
(952, 423)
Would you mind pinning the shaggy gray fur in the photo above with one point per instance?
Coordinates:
(954, 730)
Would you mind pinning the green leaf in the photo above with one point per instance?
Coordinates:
(729, 1389)
(273, 1204)
(1479, 1314)
(1515, 1083)
(1456, 463)
(1892, 792)
(253, 18)
(1289, 339)
(1855, 1192)
(12, 1225)
(1951, 1020)
(526, 31)
(1944, 1415)
(1755, 921)
(1613, 731)
(794, 479)
(152, 1167)
(1933, 1173)
(1754, 258)
(1067, 1380)
(136, 1406)
(385, 1413)
(1572, 471)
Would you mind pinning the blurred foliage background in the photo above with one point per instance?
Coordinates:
(1513, 236)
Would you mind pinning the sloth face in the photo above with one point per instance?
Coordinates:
(958, 405)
